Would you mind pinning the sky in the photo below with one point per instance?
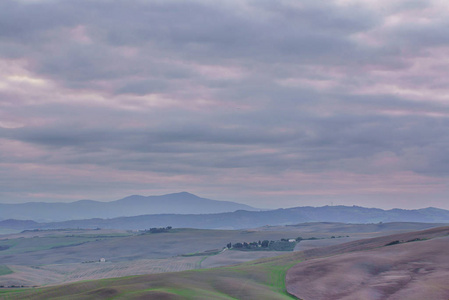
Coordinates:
(267, 103)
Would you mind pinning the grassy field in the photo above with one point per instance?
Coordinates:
(37, 244)
(263, 279)
(8, 231)
(228, 258)
(4, 270)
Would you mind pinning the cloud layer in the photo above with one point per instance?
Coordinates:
(281, 103)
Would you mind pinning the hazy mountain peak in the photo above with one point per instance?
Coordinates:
(184, 195)
(85, 201)
(433, 209)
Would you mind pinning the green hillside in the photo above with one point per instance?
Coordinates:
(261, 279)
(4, 270)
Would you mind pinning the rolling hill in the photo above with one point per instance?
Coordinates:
(404, 266)
(276, 277)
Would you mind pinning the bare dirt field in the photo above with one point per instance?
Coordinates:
(408, 270)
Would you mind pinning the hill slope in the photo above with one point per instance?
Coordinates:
(402, 267)
(177, 203)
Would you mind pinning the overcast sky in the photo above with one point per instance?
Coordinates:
(268, 103)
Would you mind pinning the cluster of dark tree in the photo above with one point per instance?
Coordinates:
(392, 243)
(399, 242)
(282, 245)
(416, 240)
(298, 239)
(245, 245)
(157, 229)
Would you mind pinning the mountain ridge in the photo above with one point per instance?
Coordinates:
(133, 205)
(241, 219)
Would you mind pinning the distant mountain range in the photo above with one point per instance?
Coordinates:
(177, 203)
(249, 219)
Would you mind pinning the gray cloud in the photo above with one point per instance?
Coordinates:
(256, 99)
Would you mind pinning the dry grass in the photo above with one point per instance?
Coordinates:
(63, 273)
(416, 268)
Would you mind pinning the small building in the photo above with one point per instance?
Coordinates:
(102, 259)
(292, 240)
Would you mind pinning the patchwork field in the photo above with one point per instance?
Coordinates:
(39, 258)
(65, 247)
(270, 278)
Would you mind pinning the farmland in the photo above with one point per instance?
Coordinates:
(57, 256)
(48, 257)
(261, 280)
(267, 278)
(61, 247)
